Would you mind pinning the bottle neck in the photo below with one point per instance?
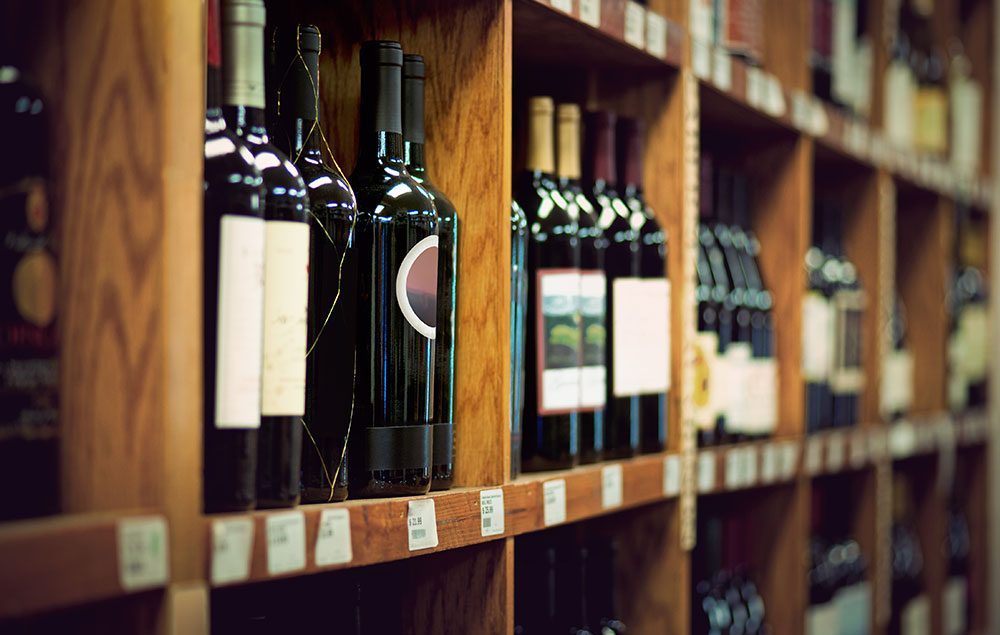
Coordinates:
(413, 127)
(600, 144)
(540, 149)
(243, 57)
(299, 98)
(247, 120)
(381, 137)
(569, 149)
(415, 163)
(632, 159)
(213, 77)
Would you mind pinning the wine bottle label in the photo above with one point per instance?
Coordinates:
(593, 375)
(843, 61)
(641, 336)
(286, 297)
(854, 609)
(862, 77)
(239, 329)
(897, 382)
(966, 100)
(701, 20)
(762, 393)
(958, 383)
(916, 616)
(847, 375)
(931, 119)
(973, 323)
(29, 368)
(559, 343)
(822, 619)
(816, 342)
(899, 96)
(706, 346)
(954, 600)
(416, 286)
(738, 387)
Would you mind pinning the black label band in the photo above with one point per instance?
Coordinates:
(443, 443)
(400, 447)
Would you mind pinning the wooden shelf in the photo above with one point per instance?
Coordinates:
(62, 561)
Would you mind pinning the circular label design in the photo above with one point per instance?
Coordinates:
(416, 286)
(34, 287)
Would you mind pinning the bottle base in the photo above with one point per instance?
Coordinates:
(541, 464)
(312, 495)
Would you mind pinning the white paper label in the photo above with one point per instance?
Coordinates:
(286, 298)
(593, 305)
(814, 456)
(739, 387)
(755, 87)
(416, 286)
(671, 476)
(897, 381)
(239, 326)
(611, 486)
(769, 460)
(701, 20)
(142, 553)
(706, 472)
(635, 24)
(822, 619)
(774, 97)
(816, 342)
(701, 60)
(641, 336)
(750, 466)
(558, 323)
(590, 12)
(859, 450)
(722, 70)
(955, 606)
(900, 86)
(789, 459)
(761, 407)
(966, 109)
(232, 542)
(656, 34)
(286, 542)
(734, 469)
(706, 346)
(916, 617)
(563, 5)
(333, 538)
(973, 325)
(421, 524)
(902, 440)
(854, 608)
(491, 516)
(835, 453)
(843, 59)
(554, 501)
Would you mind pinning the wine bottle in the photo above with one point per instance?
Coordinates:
(910, 605)
(286, 259)
(518, 302)
(848, 301)
(397, 241)
(443, 414)
(656, 289)
(896, 393)
(332, 313)
(29, 338)
(821, 48)
(553, 344)
(593, 286)
(817, 328)
(622, 269)
(955, 595)
(968, 308)
(233, 300)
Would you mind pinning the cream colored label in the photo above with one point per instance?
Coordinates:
(421, 523)
(635, 24)
(232, 544)
(286, 298)
(286, 542)
(897, 382)
(706, 346)
(333, 538)
(972, 327)
(899, 97)
(816, 337)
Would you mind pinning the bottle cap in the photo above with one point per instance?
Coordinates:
(382, 52)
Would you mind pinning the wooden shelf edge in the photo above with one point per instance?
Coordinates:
(67, 560)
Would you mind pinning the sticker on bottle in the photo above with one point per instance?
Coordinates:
(421, 524)
(635, 24)
(656, 35)
(286, 298)
(239, 322)
(554, 502)
(232, 544)
(142, 553)
(590, 12)
(416, 286)
(286, 542)
(722, 70)
(706, 345)
(671, 476)
(706, 471)
(593, 307)
(612, 485)
(559, 344)
(333, 538)
(641, 336)
(491, 515)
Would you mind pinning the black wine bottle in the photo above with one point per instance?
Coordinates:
(817, 330)
(443, 415)
(552, 344)
(29, 338)
(233, 301)
(593, 286)
(848, 301)
(653, 270)
(286, 259)
(518, 320)
(622, 269)
(332, 317)
(397, 242)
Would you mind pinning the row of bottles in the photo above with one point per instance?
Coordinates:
(735, 26)
(968, 316)
(840, 54)
(832, 319)
(736, 373)
(329, 302)
(593, 379)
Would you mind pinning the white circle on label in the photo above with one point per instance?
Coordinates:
(416, 286)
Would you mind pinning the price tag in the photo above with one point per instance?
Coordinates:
(232, 541)
(722, 70)
(590, 12)
(814, 456)
(789, 459)
(801, 111)
(491, 518)
(734, 468)
(635, 24)
(333, 538)
(142, 553)
(859, 450)
(554, 500)
(755, 87)
(286, 542)
(769, 463)
(672, 476)
(701, 60)
(750, 466)
(947, 445)
(611, 486)
(656, 34)
(565, 6)
(835, 453)
(421, 524)
(774, 97)
(902, 440)
(820, 124)
(706, 472)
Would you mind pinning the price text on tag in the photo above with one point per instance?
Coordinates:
(286, 542)
(333, 539)
(611, 486)
(491, 518)
(232, 541)
(421, 524)
(672, 476)
(554, 500)
(142, 553)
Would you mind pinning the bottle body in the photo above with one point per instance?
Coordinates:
(518, 317)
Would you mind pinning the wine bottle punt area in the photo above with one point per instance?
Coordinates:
(397, 242)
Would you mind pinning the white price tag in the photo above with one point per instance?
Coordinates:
(232, 542)
(722, 70)
(750, 466)
(142, 553)
(902, 440)
(734, 468)
(554, 501)
(701, 60)
(789, 460)
(672, 476)
(755, 87)
(706, 471)
(774, 97)
(814, 456)
(769, 463)
(333, 538)
(491, 517)
(835, 452)
(635, 24)
(286, 542)
(820, 123)
(565, 6)
(801, 111)
(656, 35)
(590, 12)
(611, 486)
(421, 524)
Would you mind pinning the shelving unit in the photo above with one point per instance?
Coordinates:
(125, 81)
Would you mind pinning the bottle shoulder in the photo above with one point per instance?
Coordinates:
(389, 191)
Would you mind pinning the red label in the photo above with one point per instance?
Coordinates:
(214, 48)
